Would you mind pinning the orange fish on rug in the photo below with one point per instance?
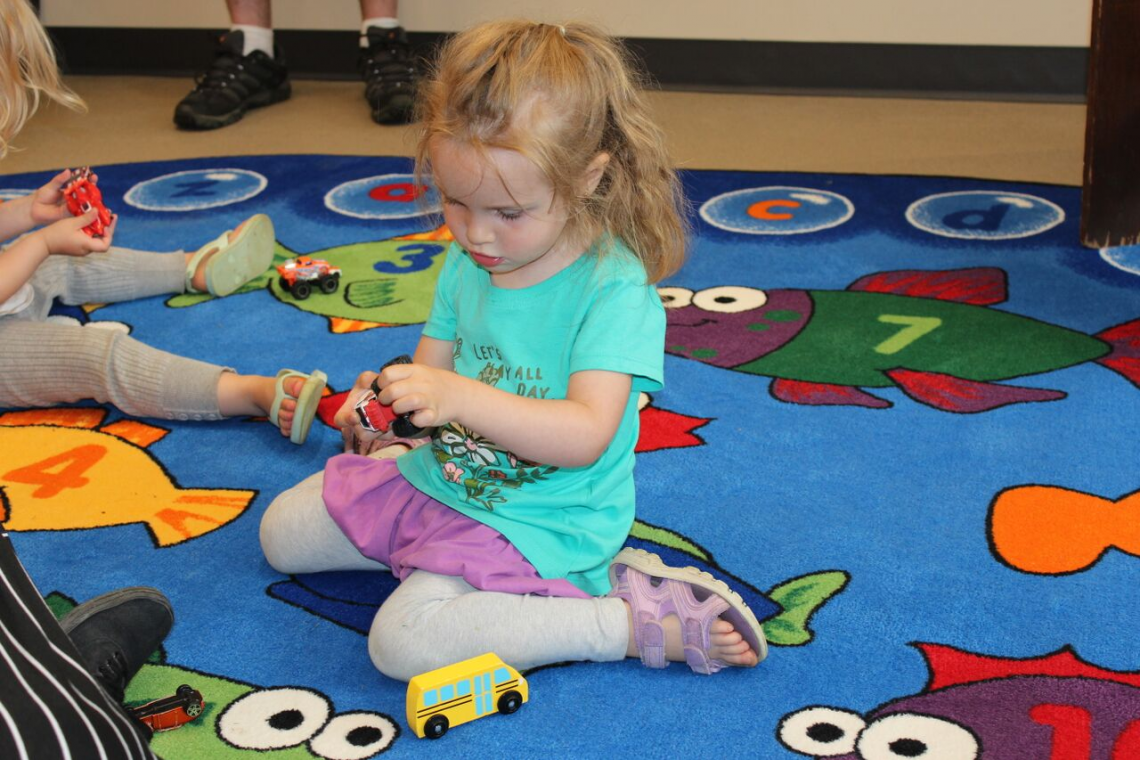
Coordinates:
(1049, 530)
(63, 470)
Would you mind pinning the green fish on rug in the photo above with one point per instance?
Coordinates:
(383, 283)
(925, 332)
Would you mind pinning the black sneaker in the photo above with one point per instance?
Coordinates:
(232, 85)
(390, 75)
(116, 633)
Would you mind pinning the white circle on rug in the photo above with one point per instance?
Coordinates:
(1125, 257)
(777, 210)
(385, 196)
(984, 215)
(196, 189)
(11, 194)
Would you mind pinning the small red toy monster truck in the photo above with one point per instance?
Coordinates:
(82, 195)
(300, 275)
(171, 712)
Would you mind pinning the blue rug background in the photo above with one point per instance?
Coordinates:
(896, 498)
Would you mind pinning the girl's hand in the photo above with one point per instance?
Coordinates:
(47, 203)
(67, 238)
(431, 395)
(357, 439)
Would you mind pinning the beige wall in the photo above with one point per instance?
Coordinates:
(1061, 23)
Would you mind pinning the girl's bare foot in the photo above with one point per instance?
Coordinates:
(726, 643)
(198, 280)
(252, 396)
(668, 608)
(249, 251)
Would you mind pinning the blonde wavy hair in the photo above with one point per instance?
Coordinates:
(560, 96)
(28, 70)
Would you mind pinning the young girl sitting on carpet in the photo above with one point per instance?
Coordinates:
(544, 330)
(45, 362)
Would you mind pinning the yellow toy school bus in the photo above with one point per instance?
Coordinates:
(455, 694)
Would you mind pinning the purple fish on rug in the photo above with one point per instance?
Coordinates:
(928, 333)
(976, 707)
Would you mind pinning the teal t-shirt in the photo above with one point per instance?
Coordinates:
(597, 314)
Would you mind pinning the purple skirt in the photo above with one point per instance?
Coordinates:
(390, 521)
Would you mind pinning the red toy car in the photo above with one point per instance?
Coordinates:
(171, 712)
(82, 195)
(379, 417)
(300, 275)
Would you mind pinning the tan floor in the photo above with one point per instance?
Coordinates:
(130, 120)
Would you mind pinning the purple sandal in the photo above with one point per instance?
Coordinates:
(654, 591)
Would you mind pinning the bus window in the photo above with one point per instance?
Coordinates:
(430, 698)
(446, 692)
(502, 675)
(464, 687)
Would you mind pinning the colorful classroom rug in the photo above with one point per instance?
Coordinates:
(902, 416)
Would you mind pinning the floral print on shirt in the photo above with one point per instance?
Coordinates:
(483, 469)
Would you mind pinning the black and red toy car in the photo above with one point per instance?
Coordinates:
(171, 712)
(379, 417)
(301, 274)
(81, 195)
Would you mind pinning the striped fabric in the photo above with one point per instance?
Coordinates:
(50, 707)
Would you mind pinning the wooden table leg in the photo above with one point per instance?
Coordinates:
(1110, 204)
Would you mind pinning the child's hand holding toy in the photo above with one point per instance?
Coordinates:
(364, 419)
(82, 196)
(69, 237)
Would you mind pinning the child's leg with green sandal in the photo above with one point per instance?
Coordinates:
(44, 363)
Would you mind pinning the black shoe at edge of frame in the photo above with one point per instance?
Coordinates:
(116, 632)
(233, 84)
(389, 70)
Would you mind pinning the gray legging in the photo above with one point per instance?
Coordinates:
(46, 363)
(434, 620)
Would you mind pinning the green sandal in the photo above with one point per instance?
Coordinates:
(238, 256)
(307, 401)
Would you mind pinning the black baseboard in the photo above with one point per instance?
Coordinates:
(1019, 73)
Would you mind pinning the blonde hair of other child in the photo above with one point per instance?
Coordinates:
(28, 70)
(560, 96)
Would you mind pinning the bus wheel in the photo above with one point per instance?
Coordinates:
(510, 702)
(435, 727)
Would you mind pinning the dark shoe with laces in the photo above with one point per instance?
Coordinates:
(390, 76)
(116, 632)
(232, 85)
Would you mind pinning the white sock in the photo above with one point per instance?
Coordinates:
(383, 22)
(255, 38)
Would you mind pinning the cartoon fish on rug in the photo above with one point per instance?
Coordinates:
(350, 599)
(977, 707)
(666, 429)
(926, 332)
(243, 720)
(246, 721)
(62, 469)
(1049, 530)
(383, 283)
